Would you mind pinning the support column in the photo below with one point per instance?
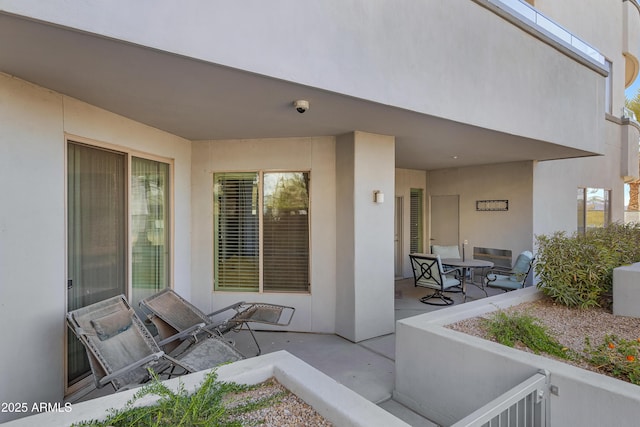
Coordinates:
(365, 163)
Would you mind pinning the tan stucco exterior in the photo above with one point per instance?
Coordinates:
(439, 74)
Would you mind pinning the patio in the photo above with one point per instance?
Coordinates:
(366, 367)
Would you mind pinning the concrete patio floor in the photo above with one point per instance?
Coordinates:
(367, 367)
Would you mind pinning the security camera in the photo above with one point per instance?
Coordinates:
(301, 105)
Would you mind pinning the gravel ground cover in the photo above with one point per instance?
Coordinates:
(288, 411)
(569, 326)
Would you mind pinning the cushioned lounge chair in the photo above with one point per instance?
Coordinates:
(429, 272)
(510, 279)
(121, 349)
(171, 314)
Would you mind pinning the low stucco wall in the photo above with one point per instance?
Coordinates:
(626, 290)
(332, 400)
(445, 375)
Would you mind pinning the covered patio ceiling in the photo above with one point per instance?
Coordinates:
(202, 101)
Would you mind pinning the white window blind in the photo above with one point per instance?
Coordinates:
(236, 228)
(286, 231)
(416, 229)
(150, 226)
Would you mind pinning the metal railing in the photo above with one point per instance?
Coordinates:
(628, 114)
(529, 13)
(525, 405)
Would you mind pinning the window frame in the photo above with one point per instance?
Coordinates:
(260, 211)
(583, 210)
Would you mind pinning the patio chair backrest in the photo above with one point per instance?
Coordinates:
(171, 314)
(522, 266)
(446, 251)
(427, 270)
(174, 310)
(114, 337)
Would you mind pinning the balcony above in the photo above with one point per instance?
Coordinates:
(530, 19)
(223, 73)
(630, 134)
(631, 39)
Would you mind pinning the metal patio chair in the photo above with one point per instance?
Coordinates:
(171, 314)
(121, 349)
(429, 272)
(446, 251)
(513, 278)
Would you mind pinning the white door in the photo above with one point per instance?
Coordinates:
(445, 220)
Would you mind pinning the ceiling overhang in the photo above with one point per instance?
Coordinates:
(203, 101)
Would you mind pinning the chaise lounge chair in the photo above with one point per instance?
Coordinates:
(120, 348)
(172, 314)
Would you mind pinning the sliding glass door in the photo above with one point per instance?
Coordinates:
(96, 236)
(101, 194)
(150, 227)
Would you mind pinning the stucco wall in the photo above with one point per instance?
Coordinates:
(502, 230)
(393, 52)
(373, 280)
(556, 183)
(470, 372)
(33, 122)
(315, 312)
(364, 252)
(600, 25)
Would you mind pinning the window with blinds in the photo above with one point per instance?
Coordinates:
(236, 228)
(286, 231)
(261, 231)
(150, 227)
(416, 228)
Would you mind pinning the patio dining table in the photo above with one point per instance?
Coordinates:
(466, 266)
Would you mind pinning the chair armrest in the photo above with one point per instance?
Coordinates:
(137, 364)
(229, 307)
(193, 330)
(286, 314)
(456, 270)
(500, 270)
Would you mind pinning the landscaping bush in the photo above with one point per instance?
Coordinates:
(510, 329)
(577, 270)
(204, 407)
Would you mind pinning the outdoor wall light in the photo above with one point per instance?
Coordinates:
(378, 196)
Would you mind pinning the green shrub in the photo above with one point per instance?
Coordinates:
(616, 357)
(509, 329)
(577, 270)
(204, 407)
